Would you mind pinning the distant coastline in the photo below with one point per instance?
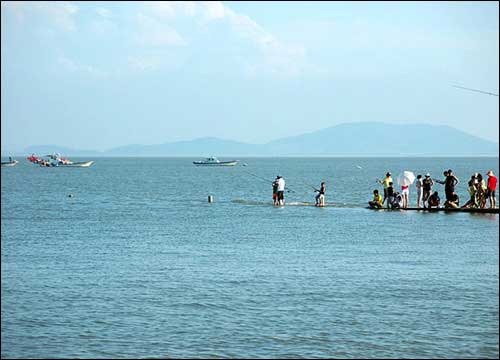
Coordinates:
(366, 139)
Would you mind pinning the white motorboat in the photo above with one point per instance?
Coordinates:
(213, 161)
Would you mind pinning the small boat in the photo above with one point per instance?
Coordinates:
(9, 163)
(55, 160)
(77, 164)
(213, 161)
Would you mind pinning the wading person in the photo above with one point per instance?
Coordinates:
(419, 185)
(320, 198)
(275, 191)
(405, 195)
(385, 182)
(281, 191)
(390, 195)
(426, 188)
(492, 186)
(449, 182)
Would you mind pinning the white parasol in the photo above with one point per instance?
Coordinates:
(406, 178)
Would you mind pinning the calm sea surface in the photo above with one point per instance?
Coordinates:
(137, 263)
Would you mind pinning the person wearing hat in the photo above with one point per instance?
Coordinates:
(492, 186)
(426, 188)
(385, 182)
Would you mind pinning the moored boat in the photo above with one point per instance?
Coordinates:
(77, 164)
(213, 161)
(9, 163)
(55, 160)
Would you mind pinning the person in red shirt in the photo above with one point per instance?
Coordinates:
(492, 185)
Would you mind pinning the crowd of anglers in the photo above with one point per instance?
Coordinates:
(480, 191)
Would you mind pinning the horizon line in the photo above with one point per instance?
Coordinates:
(242, 142)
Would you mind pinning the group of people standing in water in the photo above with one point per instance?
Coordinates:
(479, 191)
(279, 192)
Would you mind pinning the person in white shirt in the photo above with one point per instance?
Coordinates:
(281, 191)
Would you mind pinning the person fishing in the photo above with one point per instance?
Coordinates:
(275, 191)
(491, 187)
(387, 180)
(281, 190)
(320, 198)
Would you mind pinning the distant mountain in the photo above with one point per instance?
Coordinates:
(374, 138)
(352, 139)
(197, 147)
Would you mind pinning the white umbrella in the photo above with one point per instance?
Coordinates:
(406, 178)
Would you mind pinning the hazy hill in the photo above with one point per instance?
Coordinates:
(198, 147)
(372, 138)
(353, 139)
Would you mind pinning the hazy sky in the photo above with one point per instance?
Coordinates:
(95, 75)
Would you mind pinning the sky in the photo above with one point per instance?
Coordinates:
(97, 75)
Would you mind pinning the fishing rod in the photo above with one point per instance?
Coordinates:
(310, 185)
(479, 91)
(257, 176)
(263, 179)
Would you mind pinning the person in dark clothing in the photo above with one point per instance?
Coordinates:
(449, 186)
(453, 202)
(275, 191)
(434, 200)
(320, 198)
(390, 195)
(449, 183)
(426, 188)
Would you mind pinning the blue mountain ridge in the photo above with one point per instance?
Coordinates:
(348, 139)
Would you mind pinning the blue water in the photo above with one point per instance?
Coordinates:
(137, 263)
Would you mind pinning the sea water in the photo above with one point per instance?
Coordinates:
(127, 258)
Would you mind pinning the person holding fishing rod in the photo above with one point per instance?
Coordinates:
(275, 191)
(274, 184)
(385, 182)
(280, 190)
(320, 198)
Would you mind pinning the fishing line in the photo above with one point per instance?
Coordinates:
(263, 179)
(310, 185)
(479, 91)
